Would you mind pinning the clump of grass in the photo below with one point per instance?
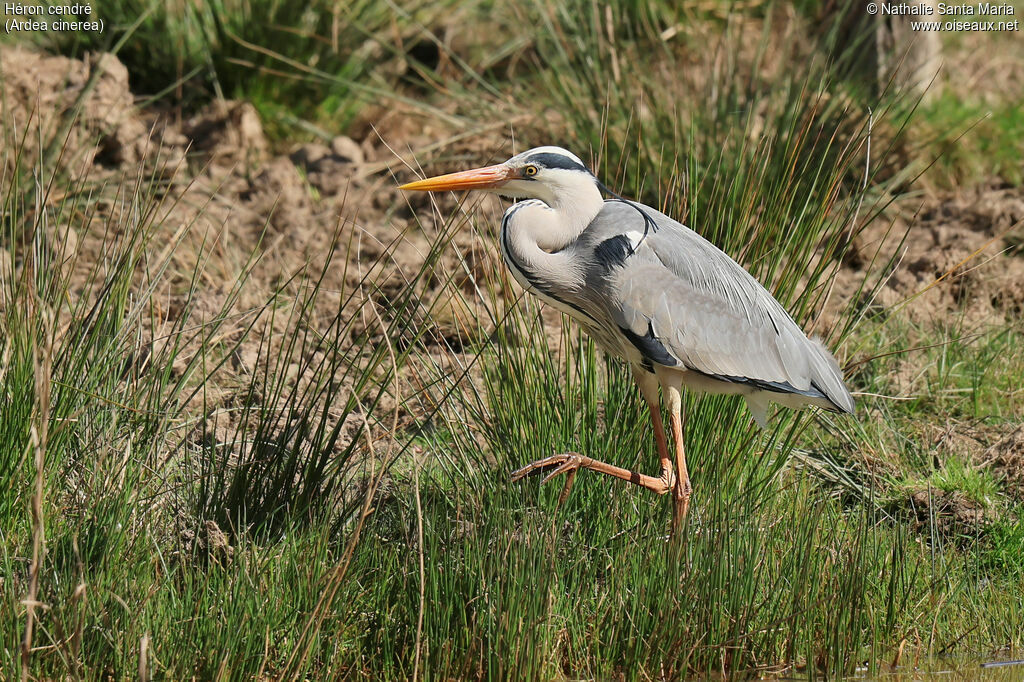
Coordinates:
(327, 60)
(1005, 547)
(955, 476)
(161, 541)
(107, 421)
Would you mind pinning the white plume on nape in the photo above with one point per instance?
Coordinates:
(547, 149)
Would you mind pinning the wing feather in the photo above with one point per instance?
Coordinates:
(708, 312)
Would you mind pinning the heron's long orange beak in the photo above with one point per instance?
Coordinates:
(488, 177)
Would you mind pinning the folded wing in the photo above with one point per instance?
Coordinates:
(684, 299)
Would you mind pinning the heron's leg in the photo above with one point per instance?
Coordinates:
(683, 487)
(570, 462)
(648, 384)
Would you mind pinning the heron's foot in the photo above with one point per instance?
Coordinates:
(567, 463)
(571, 462)
(552, 466)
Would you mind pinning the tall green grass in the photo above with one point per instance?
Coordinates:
(773, 574)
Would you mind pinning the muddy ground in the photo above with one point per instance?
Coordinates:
(230, 193)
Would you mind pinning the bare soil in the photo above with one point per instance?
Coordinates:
(960, 258)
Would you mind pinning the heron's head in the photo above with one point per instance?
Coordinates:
(544, 173)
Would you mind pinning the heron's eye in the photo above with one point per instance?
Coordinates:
(530, 171)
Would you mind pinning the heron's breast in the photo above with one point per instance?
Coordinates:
(605, 334)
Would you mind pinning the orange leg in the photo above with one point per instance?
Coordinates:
(683, 489)
(570, 462)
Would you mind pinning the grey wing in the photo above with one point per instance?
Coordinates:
(673, 292)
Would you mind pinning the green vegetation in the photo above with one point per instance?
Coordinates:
(300, 64)
(993, 147)
(310, 480)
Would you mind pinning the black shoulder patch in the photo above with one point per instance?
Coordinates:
(613, 252)
(552, 160)
(650, 347)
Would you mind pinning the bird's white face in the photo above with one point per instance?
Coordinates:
(544, 173)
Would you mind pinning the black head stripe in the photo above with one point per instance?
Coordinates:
(553, 160)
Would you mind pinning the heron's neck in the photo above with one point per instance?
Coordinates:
(557, 220)
(535, 235)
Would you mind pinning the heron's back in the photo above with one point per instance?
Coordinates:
(673, 298)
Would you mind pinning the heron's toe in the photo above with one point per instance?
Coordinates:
(560, 464)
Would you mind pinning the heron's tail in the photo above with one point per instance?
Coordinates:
(828, 378)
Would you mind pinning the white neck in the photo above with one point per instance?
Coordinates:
(537, 232)
(571, 201)
(572, 208)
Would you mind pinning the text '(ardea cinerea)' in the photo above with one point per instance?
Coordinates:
(655, 293)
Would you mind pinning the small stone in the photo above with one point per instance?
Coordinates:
(346, 149)
(308, 156)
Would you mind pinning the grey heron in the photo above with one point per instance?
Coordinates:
(654, 293)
